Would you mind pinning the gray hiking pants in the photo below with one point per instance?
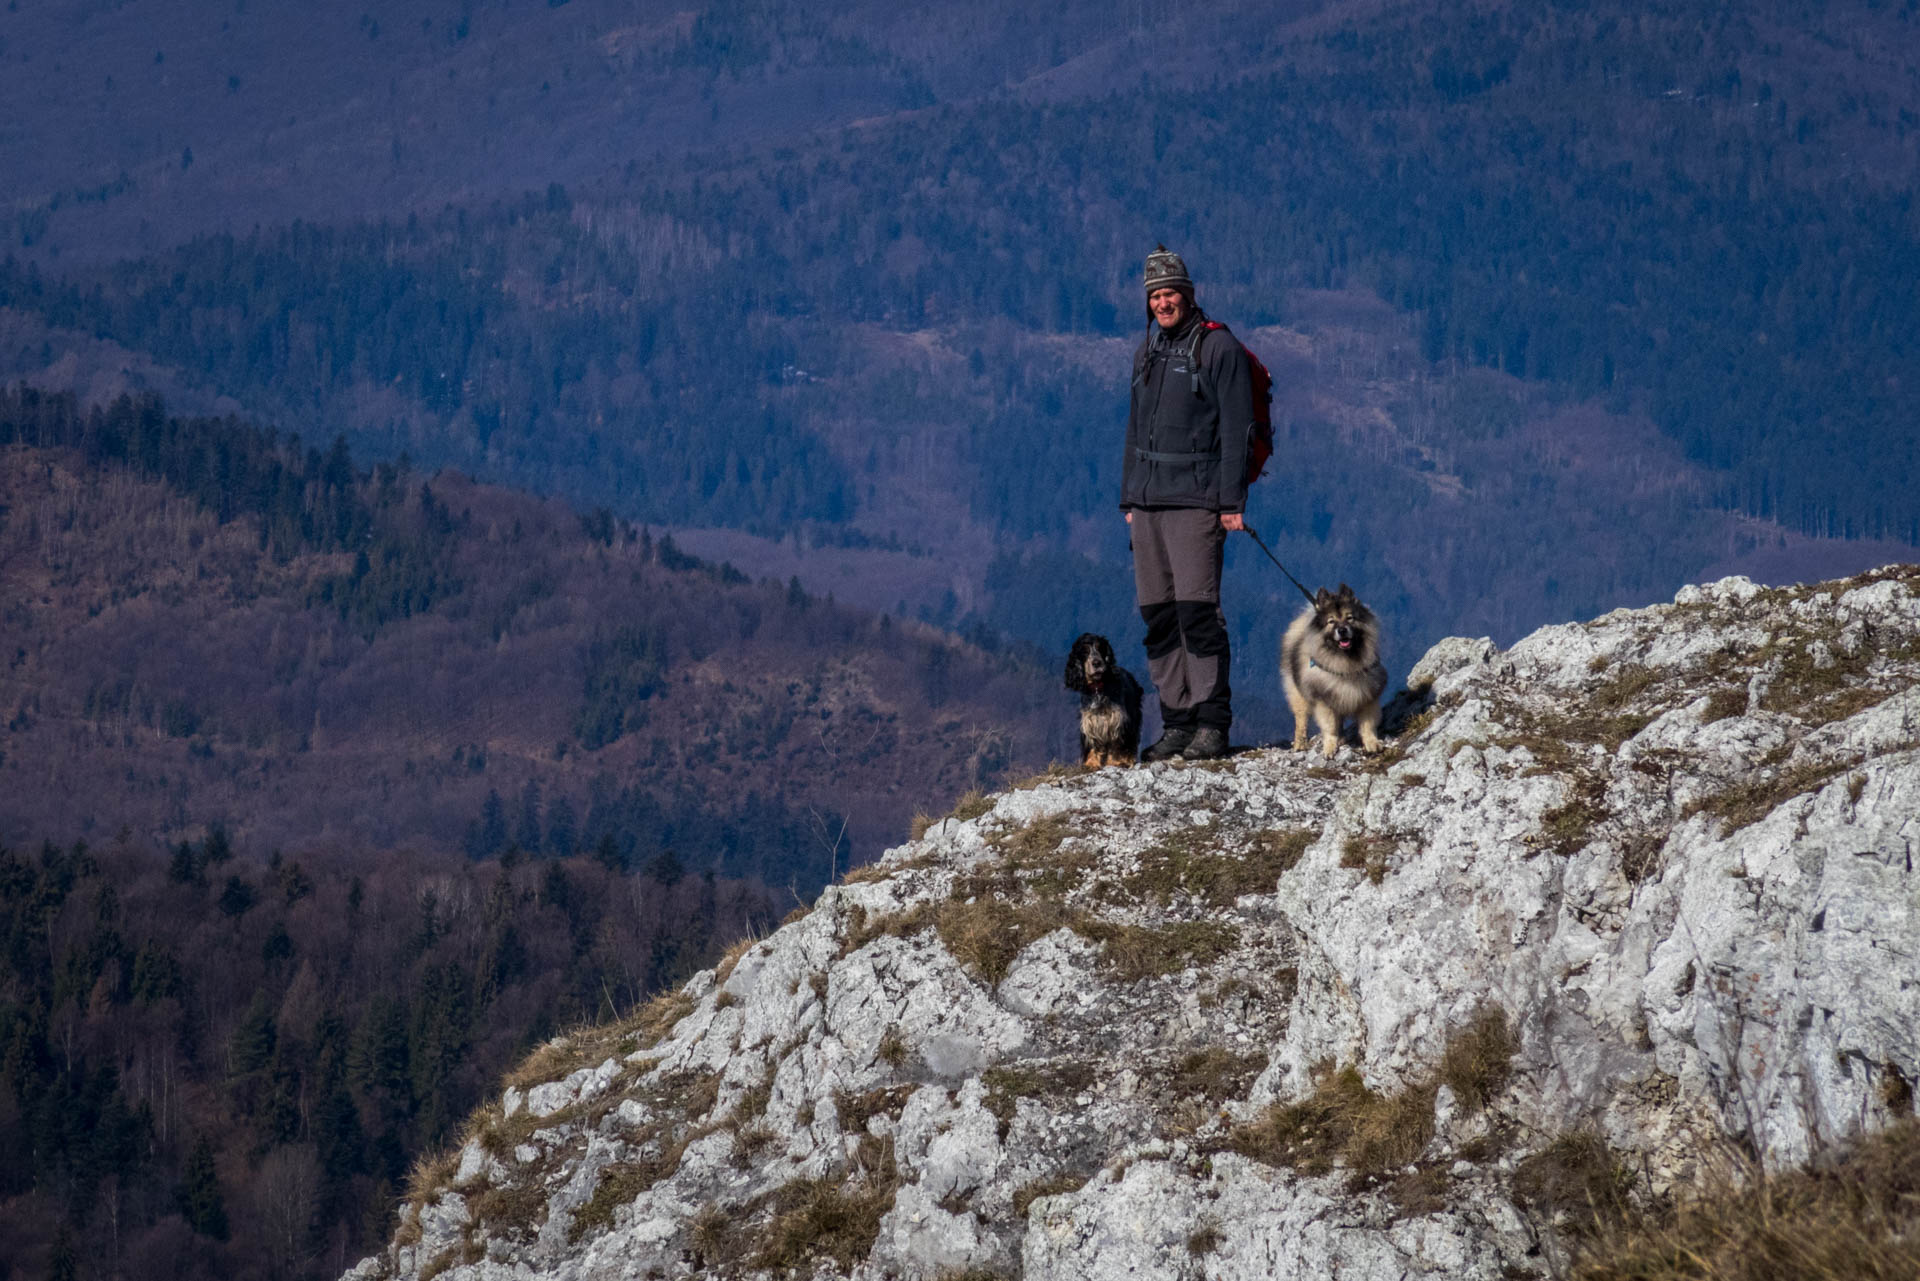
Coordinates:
(1176, 578)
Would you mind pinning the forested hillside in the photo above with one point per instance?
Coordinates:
(913, 327)
(205, 624)
(214, 1065)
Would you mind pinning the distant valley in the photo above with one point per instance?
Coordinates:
(1569, 307)
(395, 661)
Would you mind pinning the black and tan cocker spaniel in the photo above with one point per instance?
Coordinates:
(1109, 703)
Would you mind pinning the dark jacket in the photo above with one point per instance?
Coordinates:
(1187, 437)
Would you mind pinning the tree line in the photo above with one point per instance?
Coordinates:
(1618, 201)
(429, 647)
(214, 1065)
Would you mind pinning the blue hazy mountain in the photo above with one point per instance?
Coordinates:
(1567, 306)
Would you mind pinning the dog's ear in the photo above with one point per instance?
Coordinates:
(1076, 677)
(1345, 593)
(1322, 598)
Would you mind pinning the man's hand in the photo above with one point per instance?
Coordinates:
(1233, 522)
(1129, 516)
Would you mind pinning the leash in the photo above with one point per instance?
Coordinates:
(1276, 560)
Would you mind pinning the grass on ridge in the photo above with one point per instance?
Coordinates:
(1375, 1134)
(1856, 1217)
(1751, 799)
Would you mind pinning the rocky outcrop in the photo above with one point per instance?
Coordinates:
(1629, 889)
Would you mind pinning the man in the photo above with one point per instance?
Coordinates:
(1184, 488)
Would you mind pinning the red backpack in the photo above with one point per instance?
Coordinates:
(1260, 448)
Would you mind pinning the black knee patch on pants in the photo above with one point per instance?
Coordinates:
(1163, 628)
(1202, 629)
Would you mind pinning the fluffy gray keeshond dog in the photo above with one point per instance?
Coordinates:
(1330, 667)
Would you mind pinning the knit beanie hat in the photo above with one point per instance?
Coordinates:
(1165, 270)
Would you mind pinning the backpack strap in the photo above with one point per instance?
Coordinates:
(1193, 348)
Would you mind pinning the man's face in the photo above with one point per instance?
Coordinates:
(1169, 307)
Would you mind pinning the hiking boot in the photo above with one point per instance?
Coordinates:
(1169, 745)
(1207, 744)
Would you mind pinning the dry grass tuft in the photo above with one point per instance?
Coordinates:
(822, 1220)
(1033, 847)
(557, 1058)
(1374, 1134)
(1724, 703)
(1421, 1191)
(1856, 1218)
(731, 958)
(1205, 1239)
(1215, 1073)
(749, 1142)
(986, 934)
(1370, 852)
(514, 1210)
(1569, 825)
(880, 871)
(1640, 855)
(754, 1099)
(1051, 1185)
(1896, 1092)
(1551, 753)
(1478, 1060)
(464, 1254)
(1604, 719)
(715, 1238)
(855, 1110)
(1188, 862)
(693, 1094)
(1577, 1180)
(679, 1103)
(1008, 1083)
(656, 1019)
(997, 910)
(590, 1045)
(1054, 773)
(1135, 952)
(1341, 1119)
(1629, 681)
(432, 1174)
(862, 929)
(972, 806)
(1821, 690)
(620, 1183)
(1751, 799)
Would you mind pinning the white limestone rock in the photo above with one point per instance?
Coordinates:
(1674, 847)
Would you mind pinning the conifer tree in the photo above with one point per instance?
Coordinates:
(609, 855)
(562, 828)
(527, 833)
(252, 1044)
(492, 835)
(237, 897)
(183, 868)
(218, 847)
(61, 1265)
(201, 1202)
